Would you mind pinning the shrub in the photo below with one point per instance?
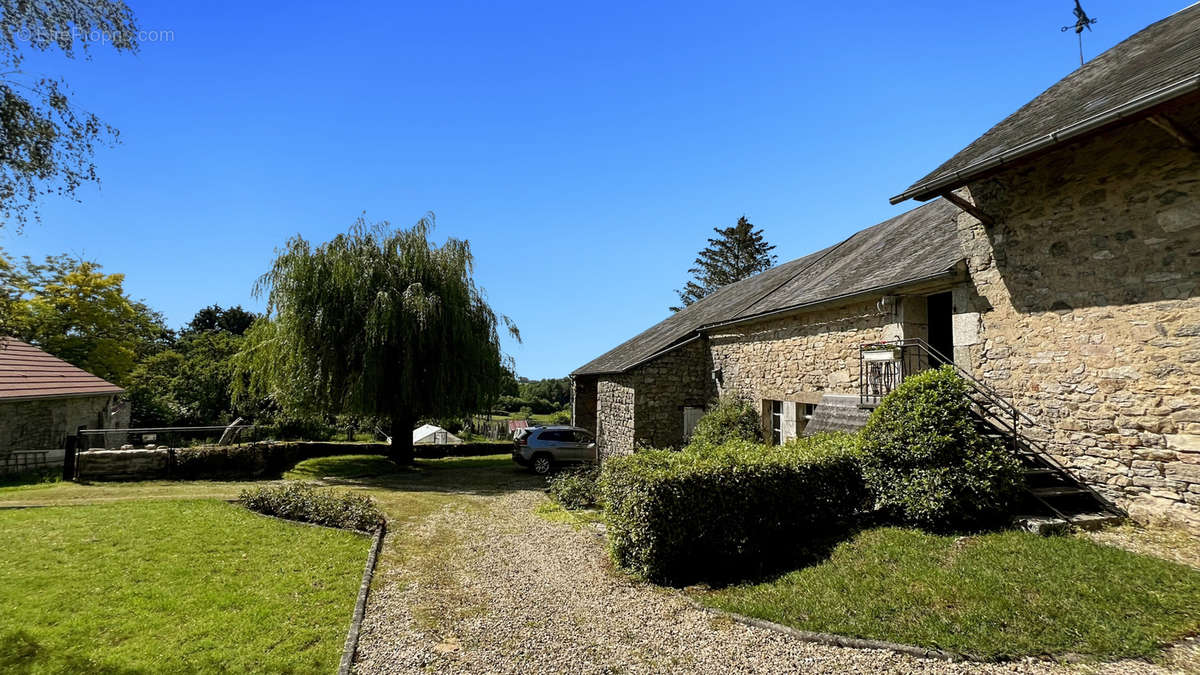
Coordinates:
(298, 429)
(266, 460)
(927, 462)
(730, 511)
(234, 462)
(576, 488)
(247, 461)
(731, 419)
(296, 500)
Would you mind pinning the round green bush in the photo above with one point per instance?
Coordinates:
(575, 488)
(731, 419)
(926, 460)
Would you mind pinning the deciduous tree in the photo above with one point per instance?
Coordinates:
(46, 142)
(234, 320)
(73, 310)
(378, 321)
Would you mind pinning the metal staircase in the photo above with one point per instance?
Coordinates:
(1053, 498)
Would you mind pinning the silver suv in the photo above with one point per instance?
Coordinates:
(541, 448)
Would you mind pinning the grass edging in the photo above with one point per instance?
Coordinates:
(360, 607)
(834, 640)
(831, 639)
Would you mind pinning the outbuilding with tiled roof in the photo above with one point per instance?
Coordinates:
(43, 399)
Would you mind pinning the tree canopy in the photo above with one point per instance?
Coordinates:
(73, 310)
(736, 253)
(46, 143)
(379, 322)
(212, 319)
(191, 383)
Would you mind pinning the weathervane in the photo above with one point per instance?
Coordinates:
(1081, 21)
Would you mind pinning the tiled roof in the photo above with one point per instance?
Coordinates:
(28, 372)
(1156, 65)
(914, 246)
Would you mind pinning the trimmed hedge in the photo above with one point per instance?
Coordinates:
(926, 460)
(244, 462)
(296, 500)
(258, 460)
(474, 449)
(731, 511)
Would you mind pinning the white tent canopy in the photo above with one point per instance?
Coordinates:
(428, 434)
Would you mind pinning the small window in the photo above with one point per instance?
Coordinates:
(776, 422)
(552, 435)
(582, 437)
(804, 415)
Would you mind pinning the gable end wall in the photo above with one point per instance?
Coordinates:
(1090, 287)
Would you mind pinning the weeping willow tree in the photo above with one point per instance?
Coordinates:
(378, 321)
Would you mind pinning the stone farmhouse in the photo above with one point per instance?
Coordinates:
(44, 399)
(1056, 264)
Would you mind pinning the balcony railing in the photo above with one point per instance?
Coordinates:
(884, 365)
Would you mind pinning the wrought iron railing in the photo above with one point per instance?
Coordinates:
(884, 365)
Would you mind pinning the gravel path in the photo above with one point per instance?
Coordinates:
(504, 591)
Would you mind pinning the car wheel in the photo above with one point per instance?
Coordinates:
(542, 465)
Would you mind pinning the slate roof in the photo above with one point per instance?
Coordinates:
(1158, 64)
(914, 246)
(28, 372)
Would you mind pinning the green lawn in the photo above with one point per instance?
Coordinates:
(172, 586)
(343, 466)
(1000, 595)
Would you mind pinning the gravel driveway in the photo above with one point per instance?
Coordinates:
(505, 591)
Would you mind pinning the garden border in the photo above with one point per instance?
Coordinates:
(350, 648)
(835, 640)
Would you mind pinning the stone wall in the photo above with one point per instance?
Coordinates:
(121, 464)
(614, 415)
(644, 407)
(1086, 309)
(795, 358)
(44, 424)
(786, 358)
(663, 387)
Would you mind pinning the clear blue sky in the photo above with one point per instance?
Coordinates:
(584, 149)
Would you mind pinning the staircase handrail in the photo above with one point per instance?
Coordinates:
(988, 392)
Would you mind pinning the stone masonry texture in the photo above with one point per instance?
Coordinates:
(1089, 312)
(644, 407)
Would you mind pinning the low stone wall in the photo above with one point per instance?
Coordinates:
(122, 464)
(242, 462)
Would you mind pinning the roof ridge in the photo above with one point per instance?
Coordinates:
(917, 244)
(1146, 69)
